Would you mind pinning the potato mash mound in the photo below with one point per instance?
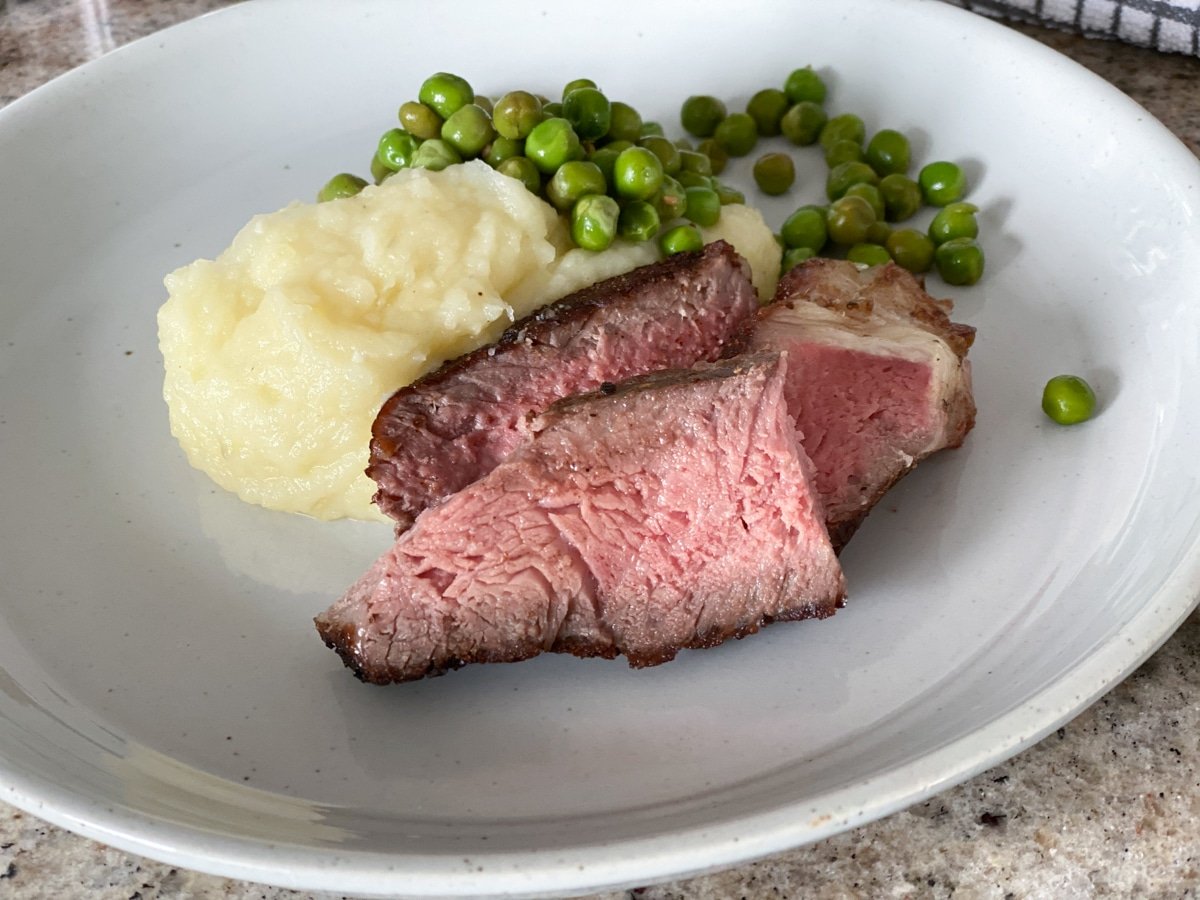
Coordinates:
(280, 352)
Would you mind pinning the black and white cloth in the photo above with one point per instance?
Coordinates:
(1169, 25)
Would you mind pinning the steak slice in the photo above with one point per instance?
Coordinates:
(671, 511)
(877, 378)
(457, 423)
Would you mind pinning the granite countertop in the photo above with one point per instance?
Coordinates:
(1107, 806)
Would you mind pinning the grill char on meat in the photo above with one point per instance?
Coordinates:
(671, 511)
(877, 378)
(457, 423)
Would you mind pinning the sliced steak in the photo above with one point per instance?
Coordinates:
(671, 511)
(454, 425)
(877, 378)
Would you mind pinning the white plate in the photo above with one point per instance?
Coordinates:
(161, 686)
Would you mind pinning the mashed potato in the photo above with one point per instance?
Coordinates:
(280, 352)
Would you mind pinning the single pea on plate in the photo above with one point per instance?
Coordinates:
(1068, 400)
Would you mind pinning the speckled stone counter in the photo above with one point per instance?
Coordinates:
(1109, 806)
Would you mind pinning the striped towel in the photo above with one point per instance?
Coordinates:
(1172, 26)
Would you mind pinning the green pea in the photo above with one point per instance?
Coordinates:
(942, 183)
(552, 110)
(869, 255)
(420, 121)
(842, 176)
(911, 249)
(605, 158)
(954, 220)
(339, 186)
(588, 111)
(396, 149)
(737, 134)
(649, 128)
(681, 239)
(703, 206)
(767, 108)
(573, 180)
(878, 233)
(806, 228)
(959, 261)
(552, 143)
(639, 221)
(842, 151)
(901, 196)
(1068, 400)
(774, 173)
(803, 123)
(485, 103)
(701, 114)
(871, 194)
(576, 85)
(846, 127)
(468, 130)
(694, 179)
(717, 157)
(594, 221)
(637, 174)
(727, 194)
(515, 114)
(849, 220)
(379, 172)
(667, 152)
(435, 155)
(625, 122)
(889, 152)
(502, 148)
(671, 200)
(793, 257)
(804, 85)
(691, 161)
(445, 93)
(682, 144)
(522, 169)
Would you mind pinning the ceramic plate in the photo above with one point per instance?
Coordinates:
(161, 686)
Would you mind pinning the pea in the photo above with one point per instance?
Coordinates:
(649, 128)
(911, 249)
(774, 173)
(767, 108)
(703, 206)
(594, 221)
(502, 148)
(341, 185)
(842, 151)
(849, 220)
(573, 180)
(522, 169)
(667, 152)
(717, 157)
(576, 85)
(727, 194)
(942, 183)
(606, 158)
(804, 85)
(435, 155)
(485, 103)
(552, 110)
(842, 176)
(680, 239)
(671, 200)
(793, 258)
(445, 93)
(701, 114)
(869, 255)
(889, 152)
(637, 174)
(806, 228)
(638, 221)
(959, 261)
(691, 161)
(552, 143)
(901, 196)
(379, 172)
(870, 193)
(954, 220)
(878, 233)
(468, 130)
(588, 111)
(396, 149)
(682, 144)
(625, 122)
(420, 121)
(802, 124)
(515, 114)
(1068, 400)
(846, 127)
(694, 179)
(737, 134)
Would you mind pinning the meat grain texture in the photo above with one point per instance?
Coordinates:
(671, 511)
